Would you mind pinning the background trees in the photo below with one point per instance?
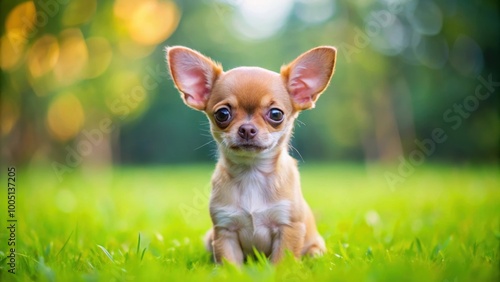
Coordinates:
(85, 82)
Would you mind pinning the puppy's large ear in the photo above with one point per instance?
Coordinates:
(193, 74)
(308, 75)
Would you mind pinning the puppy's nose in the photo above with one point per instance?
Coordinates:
(247, 131)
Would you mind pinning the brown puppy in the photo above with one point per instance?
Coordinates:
(256, 199)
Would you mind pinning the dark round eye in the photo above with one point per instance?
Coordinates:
(222, 115)
(275, 115)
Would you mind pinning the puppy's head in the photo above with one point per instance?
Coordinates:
(251, 110)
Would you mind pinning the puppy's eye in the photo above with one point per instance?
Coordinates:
(222, 116)
(275, 115)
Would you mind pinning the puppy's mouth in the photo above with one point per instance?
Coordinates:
(247, 147)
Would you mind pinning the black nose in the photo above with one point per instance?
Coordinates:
(247, 131)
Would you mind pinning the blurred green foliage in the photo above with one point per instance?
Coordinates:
(85, 82)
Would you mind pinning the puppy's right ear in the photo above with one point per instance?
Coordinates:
(193, 74)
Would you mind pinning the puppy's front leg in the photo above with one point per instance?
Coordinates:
(289, 237)
(226, 245)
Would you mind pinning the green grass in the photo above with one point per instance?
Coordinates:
(143, 224)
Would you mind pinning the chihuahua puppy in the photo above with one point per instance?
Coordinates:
(256, 200)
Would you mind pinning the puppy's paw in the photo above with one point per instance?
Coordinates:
(317, 248)
(315, 251)
(208, 240)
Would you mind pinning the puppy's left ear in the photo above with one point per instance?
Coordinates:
(309, 75)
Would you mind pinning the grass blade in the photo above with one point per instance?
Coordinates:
(106, 253)
(138, 244)
(65, 243)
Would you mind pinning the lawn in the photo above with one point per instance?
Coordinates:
(146, 223)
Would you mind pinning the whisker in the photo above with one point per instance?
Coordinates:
(209, 142)
(300, 123)
(295, 149)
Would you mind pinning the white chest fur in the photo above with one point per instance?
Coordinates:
(252, 213)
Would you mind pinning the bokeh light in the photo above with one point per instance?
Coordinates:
(100, 55)
(126, 97)
(148, 22)
(392, 39)
(11, 54)
(73, 56)
(21, 19)
(261, 19)
(65, 117)
(43, 55)
(19, 28)
(152, 22)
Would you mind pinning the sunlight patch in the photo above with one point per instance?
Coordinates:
(372, 218)
(65, 201)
